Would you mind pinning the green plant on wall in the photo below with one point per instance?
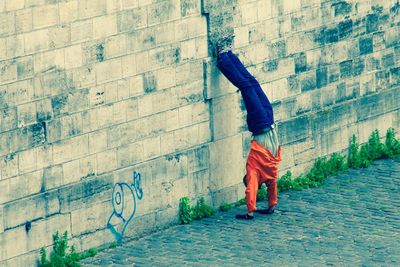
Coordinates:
(373, 149)
(187, 213)
(392, 145)
(60, 257)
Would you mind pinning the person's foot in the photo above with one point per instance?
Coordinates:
(268, 211)
(244, 217)
(224, 40)
(225, 44)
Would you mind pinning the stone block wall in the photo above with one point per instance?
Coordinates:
(92, 91)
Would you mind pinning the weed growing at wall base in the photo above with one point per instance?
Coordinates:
(359, 157)
(187, 213)
(59, 257)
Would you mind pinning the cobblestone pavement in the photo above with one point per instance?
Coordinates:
(353, 220)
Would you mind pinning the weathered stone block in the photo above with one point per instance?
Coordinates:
(23, 20)
(72, 172)
(132, 19)
(85, 193)
(229, 194)
(104, 26)
(27, 161)
(345, 28)
(300, 62)
(40, 206)
(199, 159)
(81, 31)
(108, 70)
(70, 149)
(308, 81)
(36, 41)
(96, 216)
(392, 36)
(149, 82)
(8, 118)
(48, 61)
(7, 20)
(26, 114)
(28, 137)
(73, 56)
(52, 177)
(9, 166)
(21, 92)
(59, 36)
(366, 45)
(331, 35)
(278, 49)
(294, 130)
(106, 161)
(163, 11)
(388, 60)
(25, 67)
(186, 137)
(249, 13)
(372, 22)
(25, 185)
(366, 107)
(378, 40)
(346, 68)
(116, 46)
(227, 116)
(395, 76)
(151, 148)
(68, 11)
(8, 71)
(91, 8)
(342, 8)
(18, 238)
(44, 16)
(358, 66)
(14, 5)
(234, 166)
(366, 84)
(216, 84)
(190, 7)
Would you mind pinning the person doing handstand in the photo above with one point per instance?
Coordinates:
(265, 152)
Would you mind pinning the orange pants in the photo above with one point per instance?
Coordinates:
(261, 167)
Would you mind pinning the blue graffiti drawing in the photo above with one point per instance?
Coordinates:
(124, 205)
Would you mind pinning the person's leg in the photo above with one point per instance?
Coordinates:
(229, 69)
(246, 74)
(256, 113)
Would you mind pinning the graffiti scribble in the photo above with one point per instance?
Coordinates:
(124, 205)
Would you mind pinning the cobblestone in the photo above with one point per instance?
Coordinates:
(353, 220)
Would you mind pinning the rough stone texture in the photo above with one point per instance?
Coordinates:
(351, 221)
(93, 90)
